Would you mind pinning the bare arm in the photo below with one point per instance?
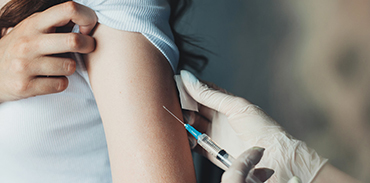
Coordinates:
(131, 80)
(329, 173)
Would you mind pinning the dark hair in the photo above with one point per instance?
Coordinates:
(186, 43)
(17, 10)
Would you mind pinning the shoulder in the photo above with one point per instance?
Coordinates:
(131, 15)
(148, 17)
(117, 4)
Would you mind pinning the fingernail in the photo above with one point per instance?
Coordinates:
(259, 149)
(268, 172)
(66, 65)
(187, 76)
(70, 67)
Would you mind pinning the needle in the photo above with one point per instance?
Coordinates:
(173, 115)
(207, 143)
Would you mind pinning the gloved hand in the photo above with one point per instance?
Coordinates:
(236, 125)
(242, 170)
(26, 51)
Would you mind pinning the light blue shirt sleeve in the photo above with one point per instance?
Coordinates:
(148, 17)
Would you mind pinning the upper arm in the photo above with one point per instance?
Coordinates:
(131, 81)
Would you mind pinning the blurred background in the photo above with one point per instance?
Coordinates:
(306, 63)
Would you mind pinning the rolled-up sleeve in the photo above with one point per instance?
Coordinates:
(148, 17)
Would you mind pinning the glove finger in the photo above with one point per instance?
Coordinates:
(196, 120)
(199, 123)
(251, 178)
(192, 141)
(189, 116)
(240, 168)
(295, 180)
(205, 115)
(262, 174)
(206, 112)
(211, 97)
(214, 86)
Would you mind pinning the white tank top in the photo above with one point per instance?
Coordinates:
(60, 137)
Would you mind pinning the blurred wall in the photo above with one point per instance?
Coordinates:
(305, 63)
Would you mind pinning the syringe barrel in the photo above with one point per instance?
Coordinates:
(206, 142)
(225, 158)
(211, 147)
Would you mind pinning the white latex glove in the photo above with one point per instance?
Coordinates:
(242, 170)
(237, 125)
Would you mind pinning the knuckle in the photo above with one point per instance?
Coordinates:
(19, 66)
(33, 16)
(32, 21)
(251, 109)
(70, 7)
(230, 176)
(20, 87)
(74, 41)
(22, 46)
(205, 92)
(241, 101)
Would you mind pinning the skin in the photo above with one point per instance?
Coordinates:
(131, 81)
(25, 51)
(331, 174)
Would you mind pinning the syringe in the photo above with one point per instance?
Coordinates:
(207, 143)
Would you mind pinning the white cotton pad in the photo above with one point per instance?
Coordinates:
(187, 102)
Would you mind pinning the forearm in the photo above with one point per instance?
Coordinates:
(131, 81)
(329, 173)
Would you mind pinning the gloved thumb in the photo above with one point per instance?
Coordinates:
(211, 97)
(242, 170)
